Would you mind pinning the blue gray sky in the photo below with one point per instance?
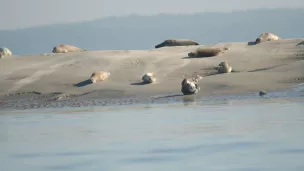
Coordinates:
(28, 13)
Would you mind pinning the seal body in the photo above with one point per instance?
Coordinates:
(205, 52)
(99, 76)
(224, 67)
(266, 36)
(301, 43)
(262, 93)
(226, 48)
(149, 78)
(176, 42)
(189, 87)
(66, 48)
(5, 52)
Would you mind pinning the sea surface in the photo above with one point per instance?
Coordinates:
(262, 134)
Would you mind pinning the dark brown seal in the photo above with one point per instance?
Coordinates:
(174, 42)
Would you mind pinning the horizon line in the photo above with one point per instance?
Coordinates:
(148, 15)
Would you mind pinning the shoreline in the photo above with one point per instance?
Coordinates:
(35, 102)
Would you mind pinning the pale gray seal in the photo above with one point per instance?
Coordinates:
(149, 78)
(224, 67)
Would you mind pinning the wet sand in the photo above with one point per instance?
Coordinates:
(46, 79)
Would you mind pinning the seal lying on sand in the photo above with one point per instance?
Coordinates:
(171, 42)
(189, 87)
(66, 48)
(301, 43)
(226, 48)
(99, 76)
(149, 78)
(206, 52)
(5, 52)
(266, 36)
(224, 68)
(262, 93)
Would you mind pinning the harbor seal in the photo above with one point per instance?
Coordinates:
(226, 48)
(5, 52)
(262, 93)
(99, 76)
(66, 48)
(149, 78)
(224, 67)
(173, 42)
(266, 36)
(189, 87)
(205, 52)
(301, 43)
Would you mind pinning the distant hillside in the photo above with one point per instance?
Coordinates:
(144, 32)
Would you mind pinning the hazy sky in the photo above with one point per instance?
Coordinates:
(25, 13)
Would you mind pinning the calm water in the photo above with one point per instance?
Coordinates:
(256, 135)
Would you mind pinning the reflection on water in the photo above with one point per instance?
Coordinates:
(240, 135)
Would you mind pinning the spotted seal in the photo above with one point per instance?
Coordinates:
(176, 42)
(189, 87)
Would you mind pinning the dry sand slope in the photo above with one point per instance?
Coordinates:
(266, 66)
